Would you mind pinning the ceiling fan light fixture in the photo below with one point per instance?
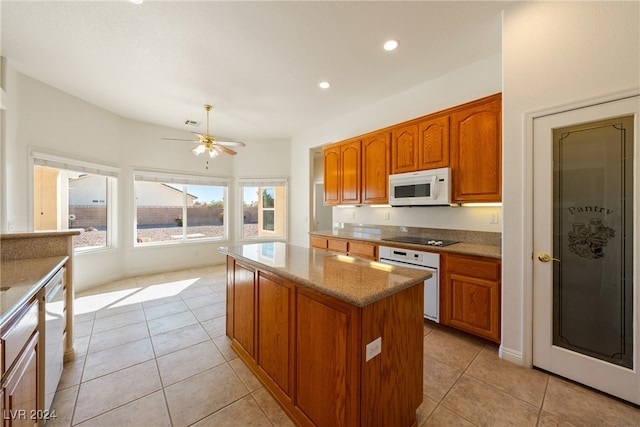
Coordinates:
(199, 149)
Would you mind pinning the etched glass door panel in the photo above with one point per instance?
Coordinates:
(593, 199)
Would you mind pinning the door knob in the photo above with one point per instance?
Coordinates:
(546, 258)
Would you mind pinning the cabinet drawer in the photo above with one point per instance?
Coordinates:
(17, 335)
(337, 245)
(363, 249)
(485, 268)
(318, 242)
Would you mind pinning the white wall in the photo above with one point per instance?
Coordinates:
(41, 117)
(458, 218)
(474, 81)
(554, 53)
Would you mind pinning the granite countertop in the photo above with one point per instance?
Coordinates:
(490, 251)
(21, 279)
(356, 281)
(38, 234)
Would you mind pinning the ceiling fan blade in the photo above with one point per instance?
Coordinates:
(230, 143)
(225, 149)
(201, 137)
(179, 139)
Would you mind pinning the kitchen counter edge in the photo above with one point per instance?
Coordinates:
(51, 265)
(461, 248)
(358, 302)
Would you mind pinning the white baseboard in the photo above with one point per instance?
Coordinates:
(511, 355)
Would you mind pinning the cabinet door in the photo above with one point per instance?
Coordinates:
(404, 149)
(243, 307)
(350, 176)
(434, 143)
(21, 388)
(318, 242)
(275, 313)
(476, 150)
(471, 295)
(337, 245)
(327, 368)
(363, 250)
(375, 168)
(332, 175)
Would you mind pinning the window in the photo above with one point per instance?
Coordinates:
(264, 208)
(174, 208)
(74, 194)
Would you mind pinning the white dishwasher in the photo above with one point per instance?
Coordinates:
(420, 260)
(54, 321)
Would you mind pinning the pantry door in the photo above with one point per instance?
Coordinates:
(585, 234)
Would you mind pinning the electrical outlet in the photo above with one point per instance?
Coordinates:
(386, 215)
(12, 225)
(374, 348)
(353, 214)
(494, 218)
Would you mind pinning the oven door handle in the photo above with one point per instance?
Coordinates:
(407, 265)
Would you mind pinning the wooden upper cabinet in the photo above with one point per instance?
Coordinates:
(404, 148)
(351, 175)
(421, 144)
(375, 168)
(476, 151)
(434, 143)
(332, 175)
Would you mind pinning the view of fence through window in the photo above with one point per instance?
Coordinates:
(169, 212)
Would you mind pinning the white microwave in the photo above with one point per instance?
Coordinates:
(422, 188)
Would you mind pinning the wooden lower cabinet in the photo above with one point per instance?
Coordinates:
(20, 388)
(275, 314)
(310, 352)
(243, 305)
(470, 295)
(354, 248)
(327, 368)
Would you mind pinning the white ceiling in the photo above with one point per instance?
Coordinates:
(258, 63)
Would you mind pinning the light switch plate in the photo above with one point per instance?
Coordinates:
(374, 348)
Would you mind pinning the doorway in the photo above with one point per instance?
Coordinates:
(322, 215)
(585, 234)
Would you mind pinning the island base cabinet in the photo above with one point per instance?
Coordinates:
(275, 311)
(327, 360)
(392, 381)
(310, 350)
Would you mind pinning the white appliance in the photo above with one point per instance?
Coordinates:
(54, 321)
(421, 188)
(422, 261)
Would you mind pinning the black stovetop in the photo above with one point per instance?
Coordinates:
(428, 241)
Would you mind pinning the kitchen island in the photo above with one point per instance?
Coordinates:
(336, 340)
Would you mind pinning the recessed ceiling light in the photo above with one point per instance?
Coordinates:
(324, 85)
(136, 1)
(390, 45)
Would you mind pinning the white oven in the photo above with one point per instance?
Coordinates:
(422, 261)
(421, 188)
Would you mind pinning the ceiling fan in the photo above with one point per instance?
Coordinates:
(208, 143)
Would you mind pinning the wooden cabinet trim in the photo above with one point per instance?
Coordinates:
(17, 334)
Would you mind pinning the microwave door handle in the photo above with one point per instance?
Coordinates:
(434, 187)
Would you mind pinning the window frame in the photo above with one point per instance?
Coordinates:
(58, 161)
(264, 182)
(177, 178)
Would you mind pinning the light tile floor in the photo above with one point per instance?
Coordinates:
(152, 351)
